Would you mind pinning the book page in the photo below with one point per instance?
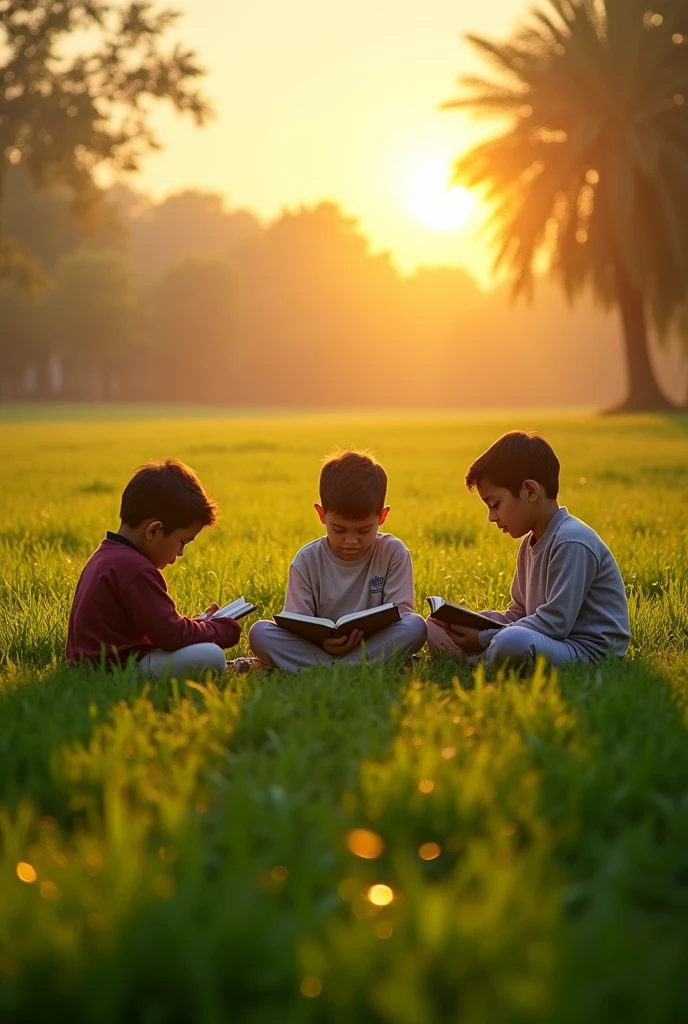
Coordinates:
(295, 617)
(238, 607)
(367, 613)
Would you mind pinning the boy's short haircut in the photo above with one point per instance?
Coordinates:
(353, 484)
(515, 457)
(168, 491)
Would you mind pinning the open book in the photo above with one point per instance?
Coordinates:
(316, 630)
(457, 615)
(234, 610)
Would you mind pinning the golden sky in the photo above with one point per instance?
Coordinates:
(325, 99)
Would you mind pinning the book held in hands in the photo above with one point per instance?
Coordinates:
(457, 615)
(315, 630)
(234, 610)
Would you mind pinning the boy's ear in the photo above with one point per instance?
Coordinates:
(321, 512)
(384, 514)
(153, 529)
(532, 489)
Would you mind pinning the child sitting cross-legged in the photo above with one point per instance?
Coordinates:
(567, 596)
(352, 568)
(121, 606)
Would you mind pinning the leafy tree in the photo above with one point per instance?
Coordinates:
(39, 220)
(312, 295)
(78, 79)
(592, 167)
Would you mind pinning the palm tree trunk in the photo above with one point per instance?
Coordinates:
(643, 394)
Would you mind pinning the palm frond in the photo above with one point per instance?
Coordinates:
(507, 59)
(484, 95)
(558, 29)
(588, 87)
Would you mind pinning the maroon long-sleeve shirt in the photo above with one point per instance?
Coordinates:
(121, 605)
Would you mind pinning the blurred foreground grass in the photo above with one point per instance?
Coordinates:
(184, 852)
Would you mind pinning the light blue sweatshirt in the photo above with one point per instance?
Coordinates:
(568, 586)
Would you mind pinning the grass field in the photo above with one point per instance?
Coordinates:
(177, 853)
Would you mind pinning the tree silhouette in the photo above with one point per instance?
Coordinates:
(94, 316)
(64, 113)
(592, 169)
(185, 224)
(309, 291)
(191, 319)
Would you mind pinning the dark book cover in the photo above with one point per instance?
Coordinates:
(315, 630)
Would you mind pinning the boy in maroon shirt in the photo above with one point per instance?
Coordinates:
(121, 606)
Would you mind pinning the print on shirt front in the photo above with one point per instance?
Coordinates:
(376, 584)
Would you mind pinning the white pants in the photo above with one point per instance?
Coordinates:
(515, 644)
(284, 650)
(187, 662)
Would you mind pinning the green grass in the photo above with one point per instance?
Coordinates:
(189, 842)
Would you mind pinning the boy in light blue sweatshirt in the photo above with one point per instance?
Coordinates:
(567, 596)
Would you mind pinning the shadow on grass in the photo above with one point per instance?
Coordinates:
(338, 715)
(616, 795)
(563, 863)
(39, 716)
(677, 419)
(223, 932)
(558, 805)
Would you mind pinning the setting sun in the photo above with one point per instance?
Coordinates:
(434, 201)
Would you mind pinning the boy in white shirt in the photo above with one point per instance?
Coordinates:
(352, 568)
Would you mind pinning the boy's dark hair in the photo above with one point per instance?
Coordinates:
(168, 491)
(353, 484)
(515, 457)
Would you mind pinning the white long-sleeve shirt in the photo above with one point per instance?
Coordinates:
(568, 587)
(323, 585)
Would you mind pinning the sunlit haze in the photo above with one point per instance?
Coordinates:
(335, 101)
(433, 199)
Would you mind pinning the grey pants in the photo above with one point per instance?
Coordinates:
(188, 662)
(518, 645)
(284, 650)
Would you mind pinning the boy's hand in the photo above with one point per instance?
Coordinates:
(467, 640)
(337, 646)
(208, 612)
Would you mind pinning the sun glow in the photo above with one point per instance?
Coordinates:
(435, 201)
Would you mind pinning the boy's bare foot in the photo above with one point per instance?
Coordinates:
(242, 666)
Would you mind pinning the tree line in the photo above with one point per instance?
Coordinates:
(186, 300)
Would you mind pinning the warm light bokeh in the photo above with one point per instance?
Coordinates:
(364, 843)
(380, 895)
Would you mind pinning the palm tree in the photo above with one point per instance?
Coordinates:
(592, 166)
